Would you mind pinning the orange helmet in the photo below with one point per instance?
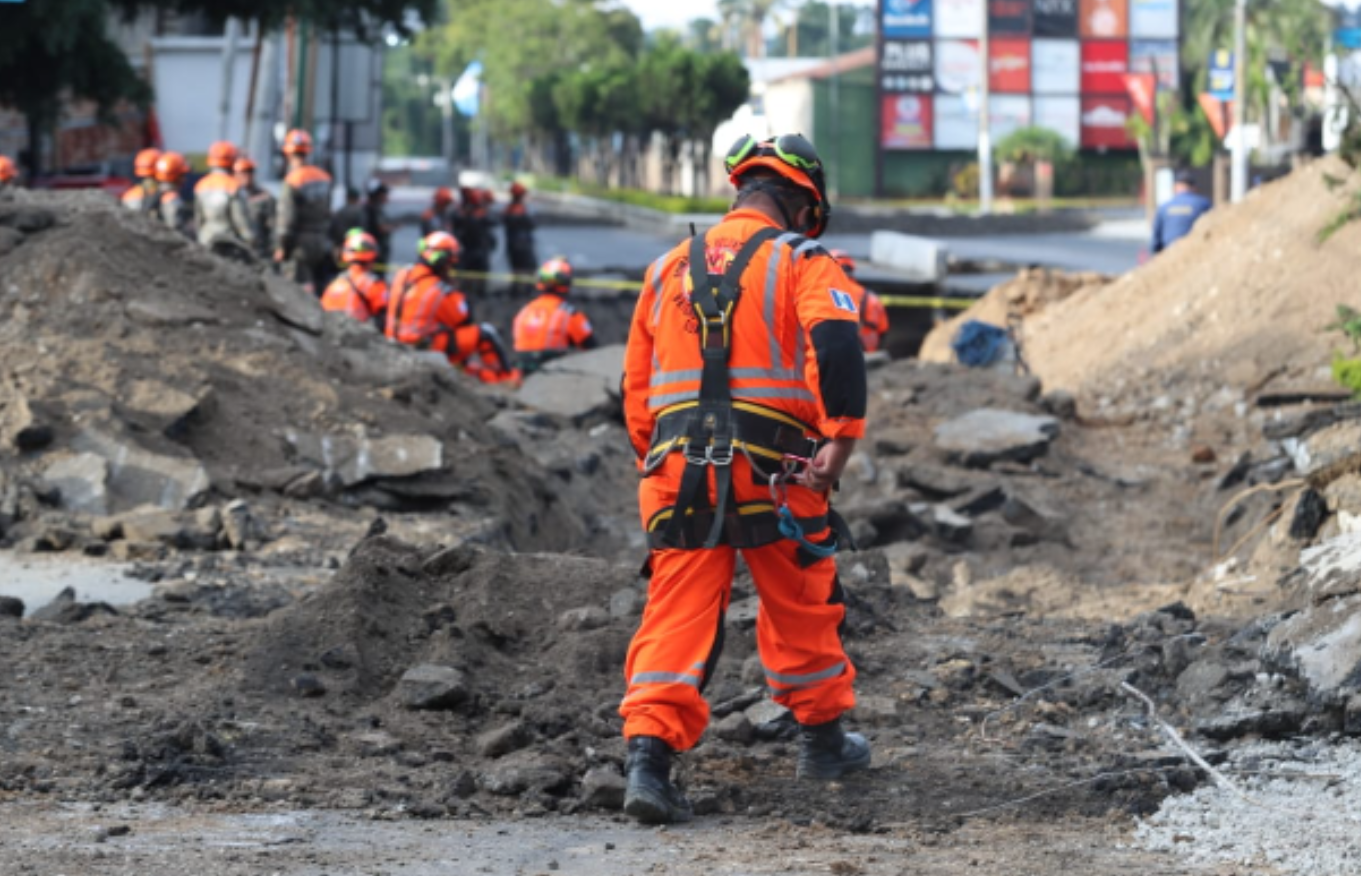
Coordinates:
(443, 197)
(517, 190)
(438, 248)
(485, 197)
(844, 259)
(171, 167)
(244, 165)
(298, 142)
(145, 165)
(792, 157)
(8, 172)
(555, 275)
(360, 246)
(222, 155)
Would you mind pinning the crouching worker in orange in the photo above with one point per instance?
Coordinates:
(427, 312)
(358, 293)
(548, 327)
(744, 395)
(142, 196)
(873, 314)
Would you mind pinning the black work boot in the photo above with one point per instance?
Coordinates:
(828, 752)
(651, 798)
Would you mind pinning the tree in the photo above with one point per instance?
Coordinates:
(724, 85)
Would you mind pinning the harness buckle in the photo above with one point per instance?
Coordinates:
(712, 455)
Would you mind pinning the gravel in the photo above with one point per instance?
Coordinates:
(1303, 815)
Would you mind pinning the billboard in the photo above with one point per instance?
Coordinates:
(1103, 122)
(906, 121)
(1006, 113)
(1104, 65)
(1153, 19)
(1056, 67)
(1056, 18)
(958, 67)
(907, 66)
(956, 122)
(909, 19)
(1103, 19)
(959, 19)
(1009, 17)
(1009, 66)
(1062, 115)
(1158, 57)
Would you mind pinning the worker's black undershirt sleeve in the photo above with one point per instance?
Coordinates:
(841, 369)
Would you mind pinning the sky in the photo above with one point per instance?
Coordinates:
(671, 13)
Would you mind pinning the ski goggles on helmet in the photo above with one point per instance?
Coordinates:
(792, 149)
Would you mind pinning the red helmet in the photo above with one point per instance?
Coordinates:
(145, 164)
(443, 197)
(555, 275)
(222, 155)
(297, 142)
(485, 197)
(360, 247)
(792, 157)
(171, 167)
(244, 165)
(8, 172)
(438, 248)
(517, 190)
(844, 259)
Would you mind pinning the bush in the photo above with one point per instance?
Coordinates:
(636, 197)
(965, 182)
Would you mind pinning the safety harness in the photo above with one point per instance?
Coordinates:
(710, 430)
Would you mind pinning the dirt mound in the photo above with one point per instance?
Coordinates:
(1021, 297)
(1244, 297)
(139, 369)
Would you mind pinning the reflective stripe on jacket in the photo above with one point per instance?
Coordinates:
(550, 324)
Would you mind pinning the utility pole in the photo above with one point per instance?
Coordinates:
(984, 123)
(224, 107)
(835, 128)
(1238, 179)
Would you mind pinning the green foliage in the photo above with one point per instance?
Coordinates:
(676, 204)
(1347, 373)
(410, 127)
(1349, 323)
(1034, 143)
(965, 183)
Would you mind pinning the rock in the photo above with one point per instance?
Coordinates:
(306, 486)
(152, 525)
(64, 609)
(921, 259)
(1309, 514)
(1202, 681)
(893, 444)
(355, 459)
(864, 533)
(525, 771)
(141, 477)
(933, 482)
(1028, 514)
(239, 526)
(580, 387)
(432, 687)
(863, 465)
(875, 710)
(165, 311)
(501, 741)
(1203, 454)
(307, 685)
(292, 305)
(589, 618)
(958, 673)
(1351, 716)
(987, 435)
(1061, 403)
(1325, 448)
(26, 219)
(11, 606)
(627, 603)
(893, 520)
(735, 728)
(10, 238)
(340, 657)
(161, 408)
(1286, 716)
(603, 788)
(82, 480)
(742, 613)
(21, 427)
(980, 501)
(951, 527)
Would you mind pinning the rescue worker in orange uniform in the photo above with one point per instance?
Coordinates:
(170, 208)
(260, 206)
(304, 217)
(873, 314)
(9, 174)
(219, 208)
(549, 327)
(426, 311)
(436, 216)
(519, 225)
(744, 395)
(142, 196)
(359, 292)
(473, 228)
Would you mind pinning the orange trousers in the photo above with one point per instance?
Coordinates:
(677, 644)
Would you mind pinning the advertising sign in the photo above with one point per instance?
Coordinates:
(1006, 113)
(907, 18)
(1221, 74)
(1104, 65)
(1103, 123)
(907, 67)
(1062, 115)
(959, 19)
(1055, 66)
(958, 67)
(1143, 90)
(956, 123)
(1009, 65)
(906, 121)
(1103, 19)
(1153, 19)
(1158, 57)
(1009, 17)
(1056, 18)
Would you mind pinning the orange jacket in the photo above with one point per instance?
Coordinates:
(357, 293)
(424, 310)
(140, 197)
(873, 318)
(550, 324)
(794, 335)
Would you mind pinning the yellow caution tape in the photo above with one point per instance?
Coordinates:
(933, 303)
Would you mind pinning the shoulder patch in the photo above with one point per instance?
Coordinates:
(844, 301)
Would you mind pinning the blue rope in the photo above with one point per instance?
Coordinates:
(790, 529)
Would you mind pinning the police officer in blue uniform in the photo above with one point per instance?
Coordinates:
(1175, 218)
